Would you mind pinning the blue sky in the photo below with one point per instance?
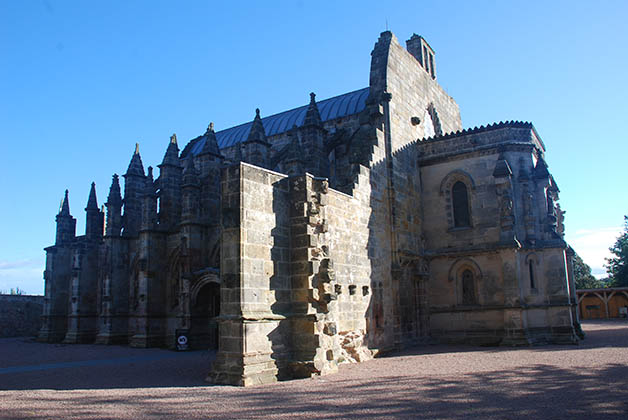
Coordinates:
(82, 82)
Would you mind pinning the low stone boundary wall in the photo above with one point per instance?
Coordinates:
(20, 315)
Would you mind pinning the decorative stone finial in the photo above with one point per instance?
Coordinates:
(173, 138)
(257, 132)
(210, 128)
(312, 116)
(137, 148)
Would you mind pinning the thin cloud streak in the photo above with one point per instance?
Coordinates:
(593, 246)
(24, 263)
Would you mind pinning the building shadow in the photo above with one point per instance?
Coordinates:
(61, 367)
(536, 391)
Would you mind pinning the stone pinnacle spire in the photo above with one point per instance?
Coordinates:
(95, 218)
(172, 152)
(312, 117)
(64, 208)
(115, 196)
(211, 143)
(135, 166)
(257, 133)
(92, 202)
(66, 224)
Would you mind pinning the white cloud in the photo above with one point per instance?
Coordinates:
(27, 274)
(592, 245)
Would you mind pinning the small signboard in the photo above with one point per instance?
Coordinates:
(181, 337)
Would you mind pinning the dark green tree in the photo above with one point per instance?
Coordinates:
(582, 275)
(617, 266)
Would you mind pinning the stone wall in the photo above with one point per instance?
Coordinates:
(477, 173)
(349, 226)
(349, 236)
(255, 272)
(20, 315)
(296, 276)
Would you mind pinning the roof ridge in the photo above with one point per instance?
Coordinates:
(292, 109)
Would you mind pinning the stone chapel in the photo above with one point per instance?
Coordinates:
(329, 233)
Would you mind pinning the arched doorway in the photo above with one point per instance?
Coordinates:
(204, 310)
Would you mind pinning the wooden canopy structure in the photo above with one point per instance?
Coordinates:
(603, 303)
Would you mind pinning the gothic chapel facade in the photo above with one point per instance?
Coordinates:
(324, 234)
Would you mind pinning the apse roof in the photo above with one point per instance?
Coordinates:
(332, 108)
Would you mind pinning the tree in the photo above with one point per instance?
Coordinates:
(617, 266)
(582, 275)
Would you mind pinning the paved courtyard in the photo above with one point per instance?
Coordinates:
(589, 381)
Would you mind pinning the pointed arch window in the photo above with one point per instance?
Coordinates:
(460, 200)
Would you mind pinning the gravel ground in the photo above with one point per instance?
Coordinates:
(589, 381)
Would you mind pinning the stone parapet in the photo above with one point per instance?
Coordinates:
(474, 140)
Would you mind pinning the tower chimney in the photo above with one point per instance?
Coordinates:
(424, 54)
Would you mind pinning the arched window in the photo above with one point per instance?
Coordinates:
(532, 263)
(532, 280)
(460, 200)
(468, 288)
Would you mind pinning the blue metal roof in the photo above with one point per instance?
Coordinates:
(332, 108)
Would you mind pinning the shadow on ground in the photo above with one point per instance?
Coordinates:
(535, 392)
(28, 365)
(492, 383)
